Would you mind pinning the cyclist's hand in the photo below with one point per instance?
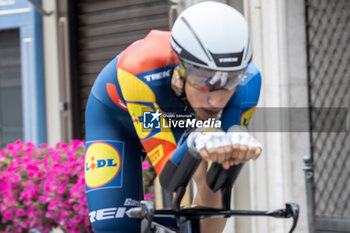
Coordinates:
(229, 148)
(212, 145)
(206, 140)
(244, 146)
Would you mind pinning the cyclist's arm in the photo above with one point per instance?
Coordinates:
(159, 144)
(241, 106)
(206, 197)
(238, 112)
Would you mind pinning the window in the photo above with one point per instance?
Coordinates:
(11, 126)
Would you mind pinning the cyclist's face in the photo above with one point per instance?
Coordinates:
(207, 104)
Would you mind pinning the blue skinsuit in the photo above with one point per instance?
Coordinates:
(136, 81)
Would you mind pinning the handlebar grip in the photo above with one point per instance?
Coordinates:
(174, 176)
(219, 178)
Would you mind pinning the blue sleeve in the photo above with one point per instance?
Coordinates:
(242, 104)
(180, 153)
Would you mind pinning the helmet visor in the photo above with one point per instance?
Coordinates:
(212, 80)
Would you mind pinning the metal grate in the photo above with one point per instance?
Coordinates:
(328, 29)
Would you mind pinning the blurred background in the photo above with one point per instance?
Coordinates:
(52, 50)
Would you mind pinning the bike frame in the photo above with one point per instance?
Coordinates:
(189, 218)
(175, 178)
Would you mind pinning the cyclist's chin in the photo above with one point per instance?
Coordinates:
(204, 113)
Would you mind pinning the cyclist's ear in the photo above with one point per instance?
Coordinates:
(178, 82)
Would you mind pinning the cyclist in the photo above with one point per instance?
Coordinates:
(201, 67)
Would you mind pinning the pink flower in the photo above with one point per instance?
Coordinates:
(77, 218)
(14, 153)
(20, 212)
(48, 214)
(53, 194)
(146, 165)
(18, 142)
(147, 196)
(7, 216)
(16, 178)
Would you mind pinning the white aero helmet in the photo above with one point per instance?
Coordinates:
(212, 35)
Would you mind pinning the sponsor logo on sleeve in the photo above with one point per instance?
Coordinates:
(245, 118)
(103, 165)
(113, 212)
(131, 202)
(107, 214)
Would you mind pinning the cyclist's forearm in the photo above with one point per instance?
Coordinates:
(206, 197)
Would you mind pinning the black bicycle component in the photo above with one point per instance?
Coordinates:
(146, 212)
(175, 178)
(220, 179)
(194, 215)
(293, 210)
(189, 226)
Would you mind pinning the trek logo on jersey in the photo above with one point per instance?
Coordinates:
(103, 164)
(151, 120)
(107, 213)
(158, 76)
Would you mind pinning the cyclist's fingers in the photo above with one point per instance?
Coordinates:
(221, 154)
(232, 162)
(204, 154)
(226, 164)
(235, 151)
(213, 154)
(228, 150)
(257, 153)
(250, 154)
(227, 153)
(241, 154)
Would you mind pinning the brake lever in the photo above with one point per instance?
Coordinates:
(292, 210)
(145, 212)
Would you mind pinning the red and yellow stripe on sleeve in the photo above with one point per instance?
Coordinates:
(160, 146)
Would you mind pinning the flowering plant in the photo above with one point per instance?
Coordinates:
(43, 187)
(149, 175)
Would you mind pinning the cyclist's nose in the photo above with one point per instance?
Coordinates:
(215, 99)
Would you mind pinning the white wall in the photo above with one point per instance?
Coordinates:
(278, 32)
(51, 73)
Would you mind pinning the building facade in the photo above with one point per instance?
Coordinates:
(80, 37)
(22, 94)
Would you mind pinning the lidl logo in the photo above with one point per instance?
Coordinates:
(245, 117)
(151, 120)
(103, 163)
(100, 163)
